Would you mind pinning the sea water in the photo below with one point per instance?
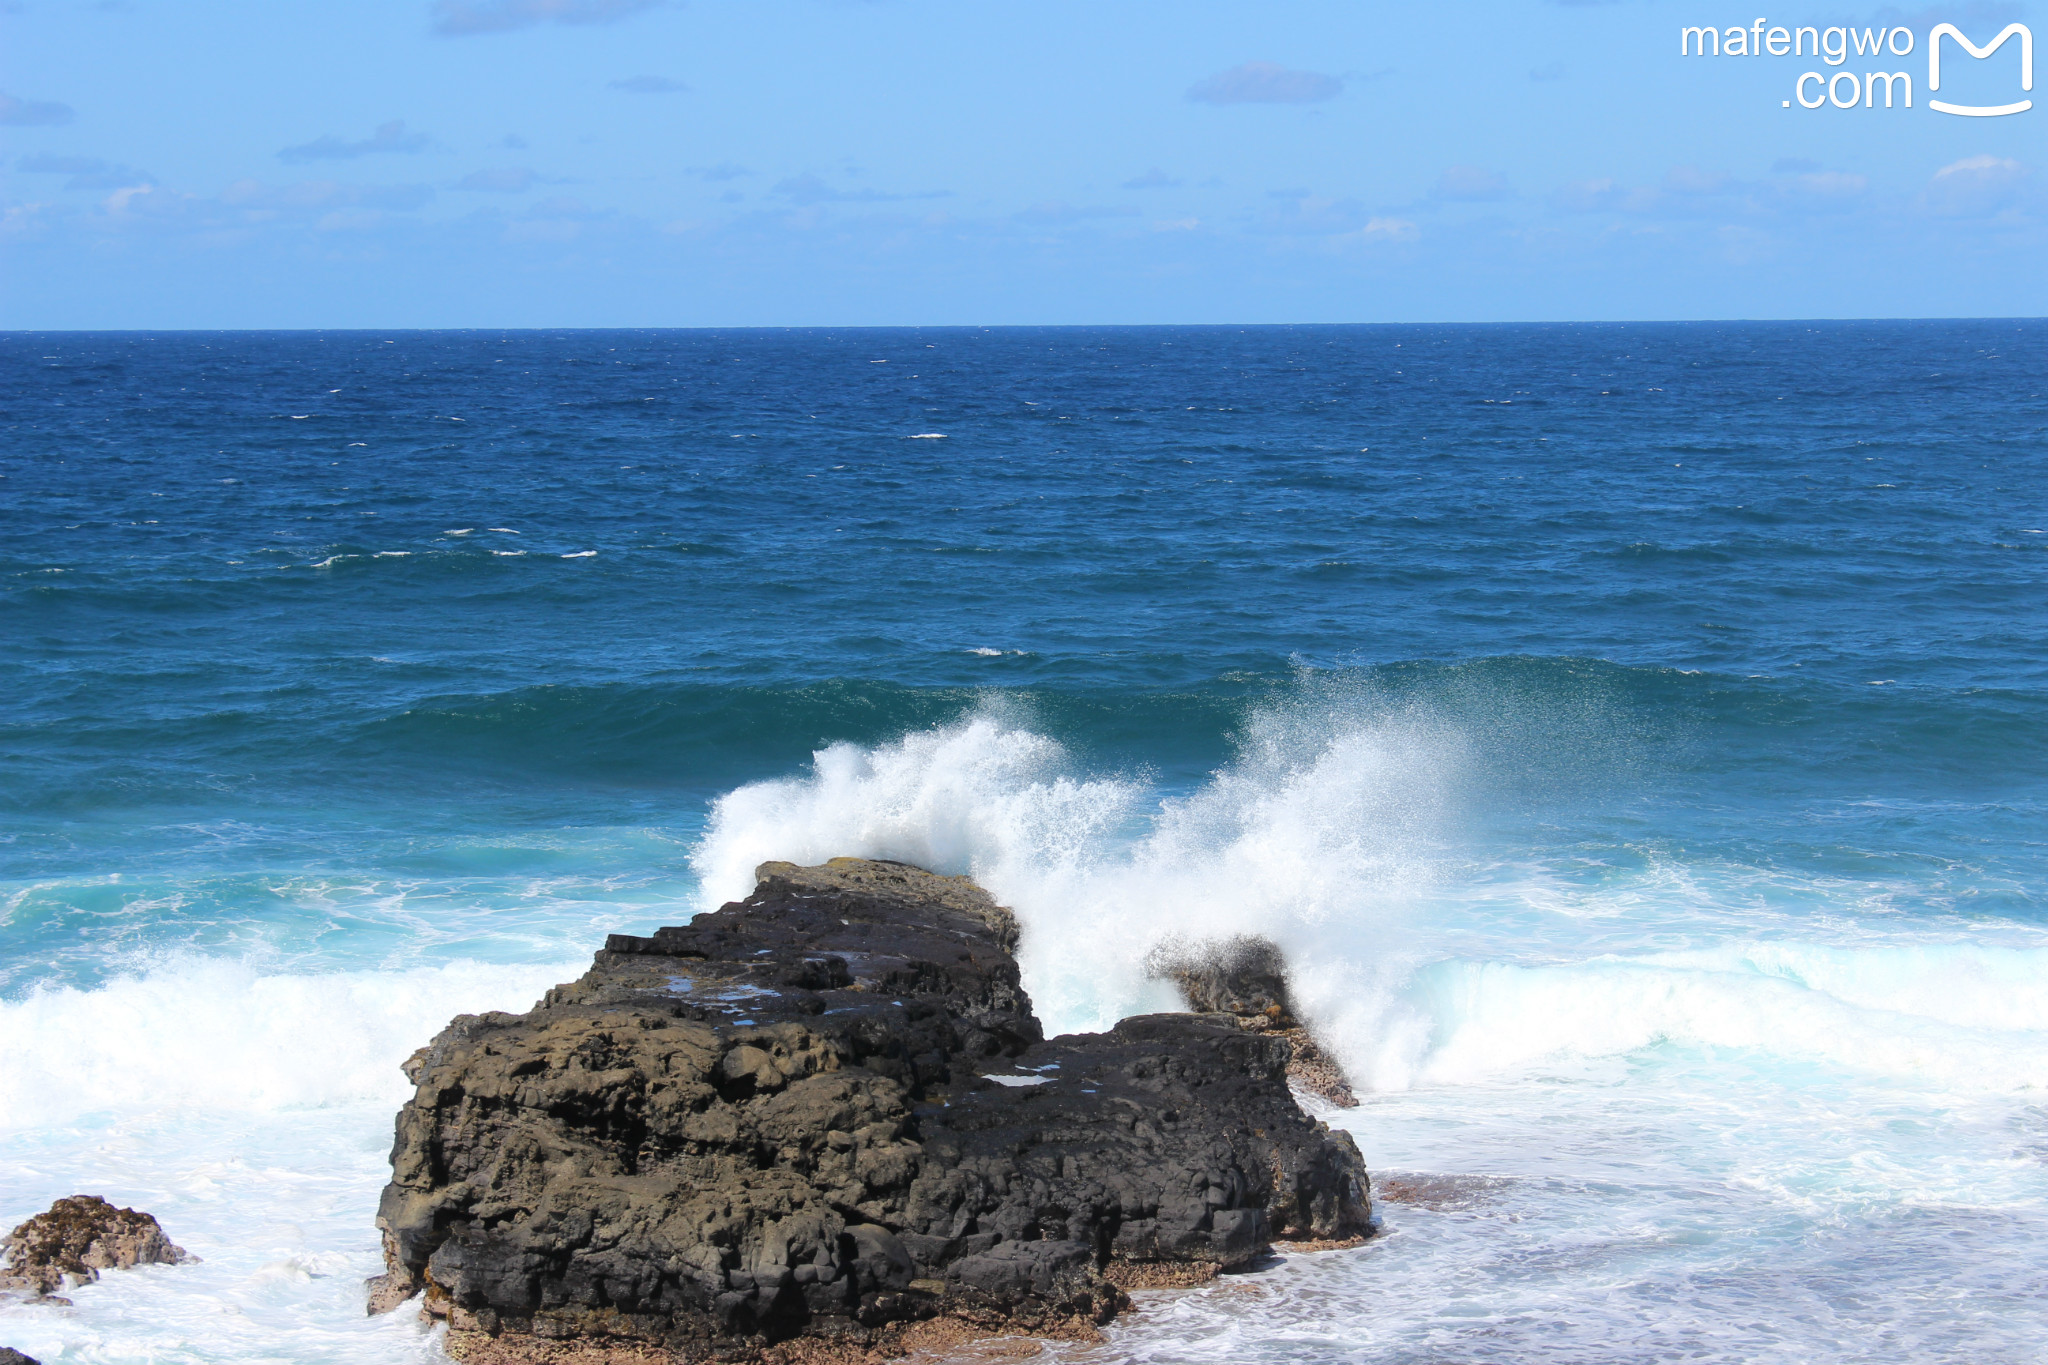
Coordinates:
(1636, 736)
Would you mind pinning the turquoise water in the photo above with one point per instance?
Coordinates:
(1636, 735)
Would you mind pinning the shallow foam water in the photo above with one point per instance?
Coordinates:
(1635, 735)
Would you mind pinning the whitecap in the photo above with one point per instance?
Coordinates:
(580, 554)
(1951, 1017)
(1327, 835)
(220, 1036)
(1319, 836)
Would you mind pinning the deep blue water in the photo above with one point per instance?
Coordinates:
(1577, 645)
(1792, 563)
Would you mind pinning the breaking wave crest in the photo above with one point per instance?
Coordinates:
(1334, 831)
(216, 1035)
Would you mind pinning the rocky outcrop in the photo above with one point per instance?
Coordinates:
(10, 1356)
(76, 1238)
(1246, 977)
(827, 1111)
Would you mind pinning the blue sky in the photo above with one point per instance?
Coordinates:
(300, 163)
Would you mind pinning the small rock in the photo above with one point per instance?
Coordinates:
(79, 1237)
(10, 1356)
(1246, 977)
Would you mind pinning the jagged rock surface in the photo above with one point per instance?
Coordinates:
(777, 1121)
(1246, 977)
(77, 1238)
(10, 1356)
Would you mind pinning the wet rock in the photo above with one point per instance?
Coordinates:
(10, 1356)
(77, 1238)
(1246, 978)
(827, 1111)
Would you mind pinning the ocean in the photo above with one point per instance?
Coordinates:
(1636, 736)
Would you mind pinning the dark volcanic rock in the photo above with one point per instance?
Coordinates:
(1246, 978)
(10, 1356)
(779, 1121)
(78, 1238)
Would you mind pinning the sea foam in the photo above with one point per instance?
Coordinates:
(251, 1112)
(216, 1035)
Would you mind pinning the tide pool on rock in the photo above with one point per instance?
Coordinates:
(1643, 779)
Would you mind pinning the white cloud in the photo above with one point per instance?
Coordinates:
(1265, 83)
(544, 230)
(1059, 211)
(563, 206)
(1832, 185)
(1606, 195)
(1472, 184)
(21, 113)
(85, 172)
(1389, 230)
(1976, 187)
(1692, 180)
(650, 85)
(499, 179)
(350, 220)
(389, 137)
(24, 220)
(458, 18)
(1298, 213)
(141, 198)
(1979, 167)
(1798, 188)
(60, 165)
(809, 189)
(309, 196)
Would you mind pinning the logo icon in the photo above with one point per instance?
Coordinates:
(2026, 37)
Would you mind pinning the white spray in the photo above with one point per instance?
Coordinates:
(1319, 836)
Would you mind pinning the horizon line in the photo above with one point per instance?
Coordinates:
(1005, 326)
